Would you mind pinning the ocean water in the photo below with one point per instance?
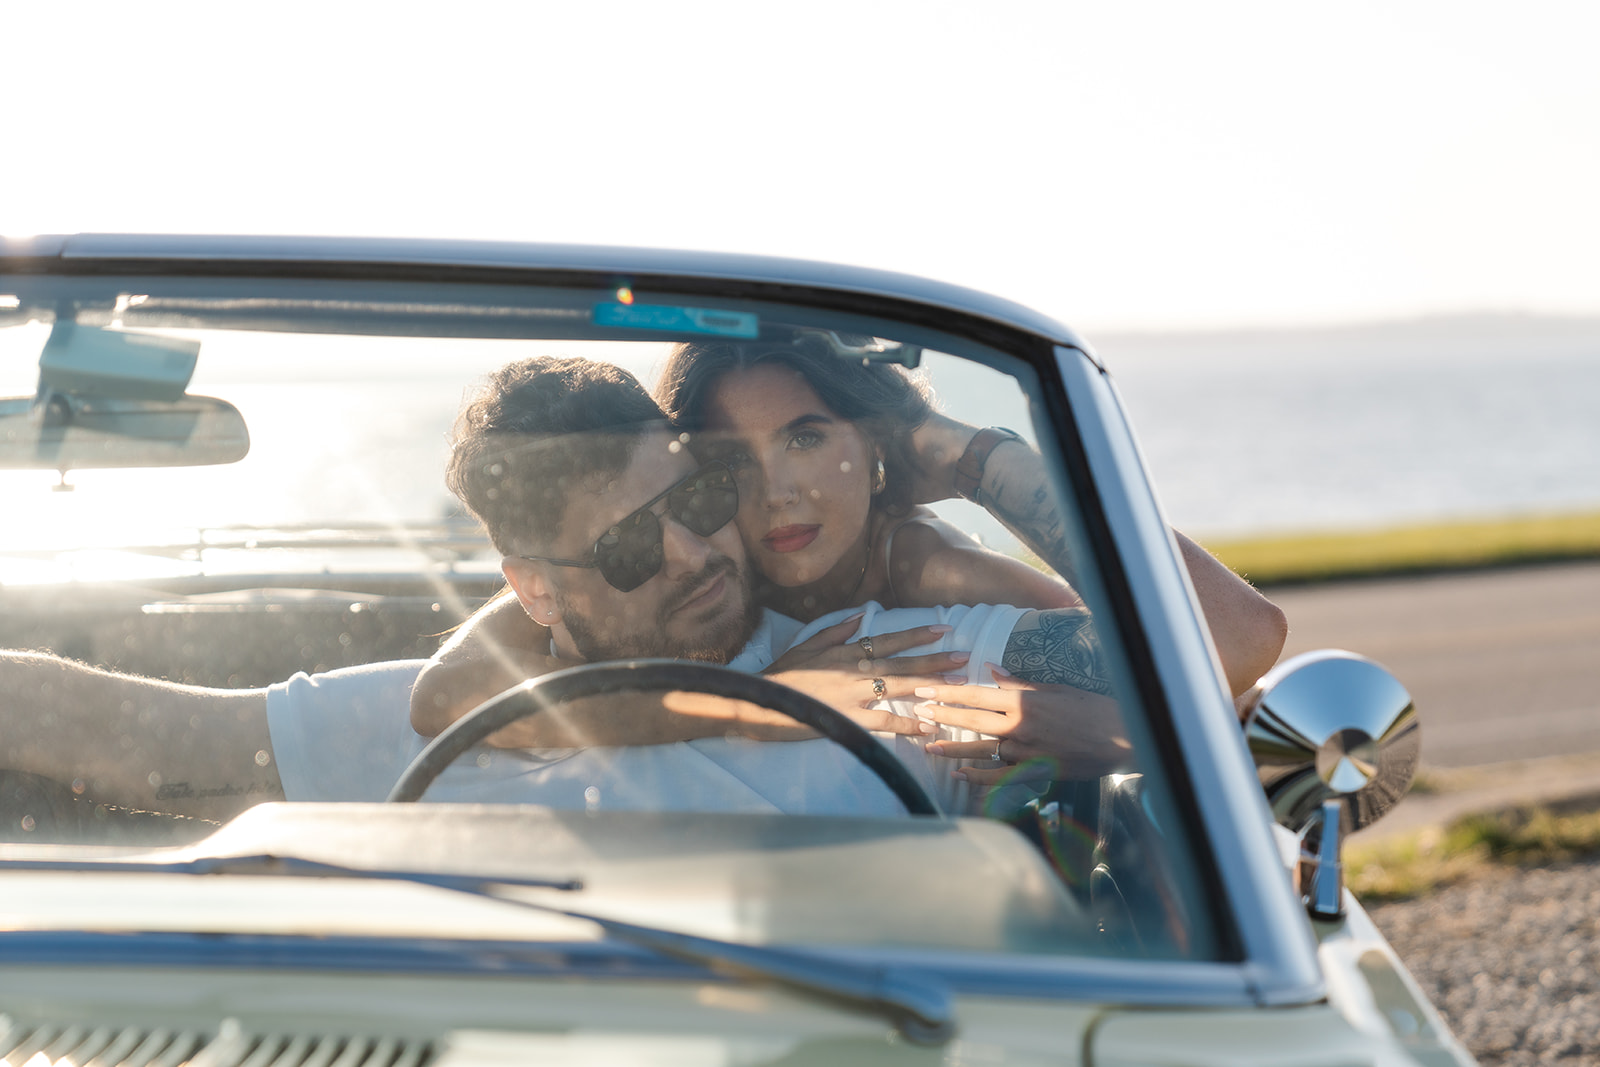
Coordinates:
(1366, 427)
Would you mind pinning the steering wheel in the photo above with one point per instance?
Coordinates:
(597, 679)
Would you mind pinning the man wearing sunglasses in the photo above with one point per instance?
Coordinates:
(648, 585)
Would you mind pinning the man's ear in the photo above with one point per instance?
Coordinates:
(528, 582)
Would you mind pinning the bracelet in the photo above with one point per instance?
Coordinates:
(969, 468)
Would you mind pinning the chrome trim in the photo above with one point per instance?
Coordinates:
(1277, 941)
(1325, 887)
(1333, 725)
(1092, 979)
(1088, 979)
(227, 1044)
(119, 249)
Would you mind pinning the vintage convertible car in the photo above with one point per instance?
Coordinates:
(222, 466)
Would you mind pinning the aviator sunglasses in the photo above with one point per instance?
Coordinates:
(630, 553)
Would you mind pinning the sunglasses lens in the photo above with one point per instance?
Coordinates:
(707, 501)
(630, 552)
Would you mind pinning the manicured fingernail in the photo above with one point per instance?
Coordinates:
(1001, 671)
(927, 728)
(958, 773)
(924, 691)
(940, 628)
(959, 657)
(955, 679)
(934, 747)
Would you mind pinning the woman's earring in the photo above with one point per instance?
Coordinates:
(880, 478)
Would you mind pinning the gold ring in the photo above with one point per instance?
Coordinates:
(880, 688)
(995, 755)
(866, 647)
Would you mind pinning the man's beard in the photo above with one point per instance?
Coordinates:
(717, 642)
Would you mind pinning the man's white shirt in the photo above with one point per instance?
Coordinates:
(346, 735)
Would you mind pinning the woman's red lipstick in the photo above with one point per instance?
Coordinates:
(791, 538)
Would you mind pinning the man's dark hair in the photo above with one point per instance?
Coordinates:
(539, 430)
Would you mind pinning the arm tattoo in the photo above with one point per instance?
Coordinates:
(1062, 649)
(186, 791)
(1036, 521)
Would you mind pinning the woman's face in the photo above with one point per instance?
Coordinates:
(805, 474)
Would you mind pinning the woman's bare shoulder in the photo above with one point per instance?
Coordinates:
(932, 562)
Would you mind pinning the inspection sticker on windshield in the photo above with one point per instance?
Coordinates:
(677, 319)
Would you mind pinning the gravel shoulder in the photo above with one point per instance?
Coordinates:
(1511, 960)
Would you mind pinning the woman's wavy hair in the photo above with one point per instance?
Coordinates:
(882, 400)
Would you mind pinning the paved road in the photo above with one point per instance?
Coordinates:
(1503, 665)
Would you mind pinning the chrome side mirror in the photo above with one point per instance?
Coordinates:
(1335, 739)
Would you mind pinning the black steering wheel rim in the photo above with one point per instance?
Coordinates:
(598, 679)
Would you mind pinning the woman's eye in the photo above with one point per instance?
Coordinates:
(805, 439)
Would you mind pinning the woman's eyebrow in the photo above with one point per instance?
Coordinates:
(800, 422)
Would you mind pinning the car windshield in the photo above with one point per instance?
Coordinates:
(277, 498)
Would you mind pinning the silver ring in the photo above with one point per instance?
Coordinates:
(866, 647)
(995, 755)
(880, 688)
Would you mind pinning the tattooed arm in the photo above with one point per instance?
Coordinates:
(1015, 487)
(1247, 628)
(136, 742)
(1058, 648)
(1053, 709)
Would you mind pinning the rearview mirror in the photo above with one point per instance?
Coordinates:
(63, 432)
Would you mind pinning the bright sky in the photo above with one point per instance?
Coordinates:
(1118, 165)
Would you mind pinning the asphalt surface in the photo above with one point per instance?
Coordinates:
(1503, 665)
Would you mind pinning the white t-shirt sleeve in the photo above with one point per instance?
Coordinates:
(344, 735)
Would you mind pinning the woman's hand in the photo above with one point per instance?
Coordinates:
(832, 649)
(1052, 731)
(838, 672)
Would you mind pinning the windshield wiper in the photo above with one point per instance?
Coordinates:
(921, 1009)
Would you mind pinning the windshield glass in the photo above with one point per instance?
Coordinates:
(267, 539)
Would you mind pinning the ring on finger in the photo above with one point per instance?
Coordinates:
(866, 647)
(880, 688)
(995, 755)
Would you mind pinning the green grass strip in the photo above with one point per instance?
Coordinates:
(1409, 866)
(1412, 549)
